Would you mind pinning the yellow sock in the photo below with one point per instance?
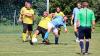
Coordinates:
(24, 36)
(34, 36)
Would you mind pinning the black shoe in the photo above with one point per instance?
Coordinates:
(25, 41)
(31, 43)
(47, 42)
(82, 52)
(56, 43)
(43, 42)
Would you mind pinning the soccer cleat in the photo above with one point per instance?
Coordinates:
(43, 42)
(82, 52)
(86, 53)
(77, 40)
(47, 42)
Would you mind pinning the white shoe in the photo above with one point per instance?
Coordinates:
(77, 40)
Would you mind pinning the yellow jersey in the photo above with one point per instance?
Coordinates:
(44, 22)
(25, 19)
(59, 14)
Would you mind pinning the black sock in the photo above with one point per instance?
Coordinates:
(76, 34)
(81, 45)
(87, 46)
(56, 40)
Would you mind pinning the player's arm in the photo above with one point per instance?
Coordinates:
(65, 27)
(72, 18)
(64, 23)
(93, 22)
(21, 15)
(30, 15)
(77, 22)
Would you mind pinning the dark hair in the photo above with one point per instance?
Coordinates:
(84, 1)
(28, 1)
(77, 3)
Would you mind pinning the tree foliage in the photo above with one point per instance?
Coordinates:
(7, 7)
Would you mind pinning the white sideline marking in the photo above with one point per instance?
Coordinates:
(21, 51)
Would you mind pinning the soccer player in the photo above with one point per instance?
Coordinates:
(42, 26)
(27, 17)
(59, 13)
(86, 23)
(57, 22)
(74, 18)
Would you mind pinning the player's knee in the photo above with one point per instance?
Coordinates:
(24, 31)
(87, 40)
(81, 40)
(36, 32)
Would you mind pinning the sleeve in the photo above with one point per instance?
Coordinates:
(21, 13)
(64, 25)
(73, 11)
(32, 11)
(93, 16)
(62, 14)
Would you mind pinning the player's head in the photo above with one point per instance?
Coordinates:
(28, 4)
(46, 13)
(85, 4)
(79, 4)
(58, 9)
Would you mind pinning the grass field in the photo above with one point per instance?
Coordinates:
(11, 44)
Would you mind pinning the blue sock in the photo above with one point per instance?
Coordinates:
(81, 45)
(56, 40)
(87, 46)
(46, 35)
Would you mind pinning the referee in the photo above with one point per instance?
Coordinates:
(86, 23)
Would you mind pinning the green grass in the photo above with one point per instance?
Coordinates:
(11, 44)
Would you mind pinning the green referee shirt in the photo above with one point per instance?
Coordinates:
(85, 16)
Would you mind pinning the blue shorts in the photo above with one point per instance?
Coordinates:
(84, 32)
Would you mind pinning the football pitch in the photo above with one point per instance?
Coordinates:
(11, 45)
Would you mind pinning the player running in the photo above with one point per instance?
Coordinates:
(74, 18)
(42, 26)
(57, 22)
(86, 21)
(26, 17)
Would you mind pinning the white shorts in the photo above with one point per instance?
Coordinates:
(55, 30)
(50, 25)
(74, 24)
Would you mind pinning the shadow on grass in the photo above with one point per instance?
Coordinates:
(54, 44)
(83, 55)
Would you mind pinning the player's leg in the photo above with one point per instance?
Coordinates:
(87, 36)
(30, 29)
(36, 33)
(24, 34)
(55, 31)
(76, 32)
(43, 32)
(50, 26)
(81, 39)
(59, 30)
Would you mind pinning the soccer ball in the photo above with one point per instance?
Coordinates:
(34, 40)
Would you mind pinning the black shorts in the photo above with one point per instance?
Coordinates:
(41, 30)
(27, 27)
(84, 32)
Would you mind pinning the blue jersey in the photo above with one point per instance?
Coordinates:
(75, 12)
(58, 21)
